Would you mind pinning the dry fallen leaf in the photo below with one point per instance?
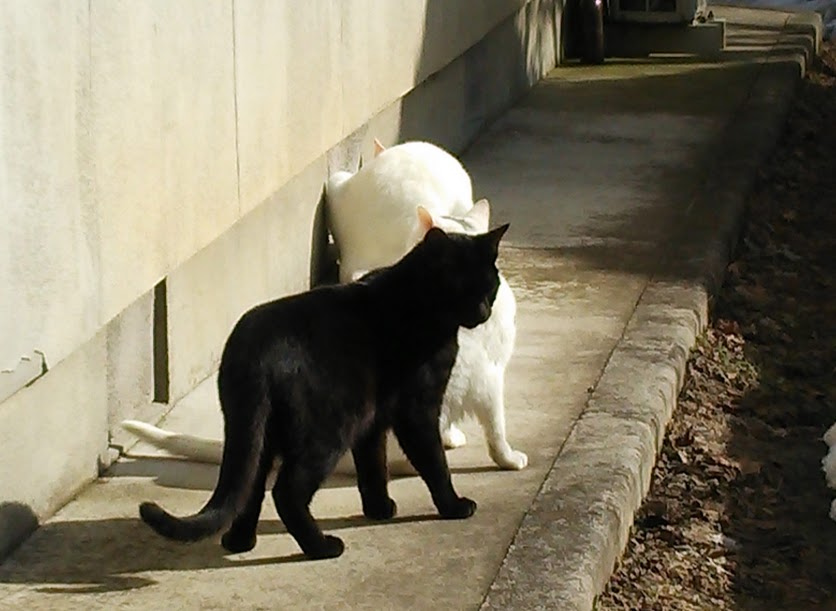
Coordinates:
(748, 466)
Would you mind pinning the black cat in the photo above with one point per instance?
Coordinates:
(309, 376)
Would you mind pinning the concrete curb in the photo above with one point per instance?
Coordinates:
(579, 523)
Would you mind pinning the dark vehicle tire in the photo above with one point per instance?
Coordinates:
(582, 31)
(591, 15)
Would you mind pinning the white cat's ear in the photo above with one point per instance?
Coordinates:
(378, 147)
(480, 215)
(425, 221)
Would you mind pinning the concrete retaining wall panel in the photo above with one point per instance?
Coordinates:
(264, 256)
(53, 436)
(163, 124)
(48, 260)
(130, 367)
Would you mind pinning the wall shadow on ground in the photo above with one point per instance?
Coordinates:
(17, 521)
(107, 555)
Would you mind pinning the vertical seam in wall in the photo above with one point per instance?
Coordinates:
(235, 109)
(342, 82)
(90, 47)
(93, 187)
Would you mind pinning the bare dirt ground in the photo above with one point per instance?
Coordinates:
(737, 515)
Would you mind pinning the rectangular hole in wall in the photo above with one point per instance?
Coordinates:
(161, 380)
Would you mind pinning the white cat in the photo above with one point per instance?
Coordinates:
(828, 464)
(376, 216)
(372, 216)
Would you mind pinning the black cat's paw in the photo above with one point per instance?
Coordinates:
(235, 542)
(328, 547)
(383, 509)
(459, 509)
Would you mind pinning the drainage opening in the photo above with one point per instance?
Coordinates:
(161, 379)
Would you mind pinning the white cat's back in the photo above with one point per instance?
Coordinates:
(425, 175)
(372, 214)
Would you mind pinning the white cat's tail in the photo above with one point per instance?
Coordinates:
(199, 449)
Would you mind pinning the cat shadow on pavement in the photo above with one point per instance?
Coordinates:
(96, 556)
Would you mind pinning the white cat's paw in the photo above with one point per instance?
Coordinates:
(830, 436)
(513, 460)
(828, 465)
(452, 437)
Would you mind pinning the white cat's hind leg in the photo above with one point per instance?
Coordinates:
(451, 436)
(491, 415)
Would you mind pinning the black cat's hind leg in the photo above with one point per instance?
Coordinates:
(372, 475)
(297, 482)
(241, 536)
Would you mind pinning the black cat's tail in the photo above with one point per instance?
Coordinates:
(241, 456)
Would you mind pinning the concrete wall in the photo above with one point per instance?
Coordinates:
(186, 143)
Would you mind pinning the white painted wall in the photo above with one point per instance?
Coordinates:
(49, 275)
(134, 132)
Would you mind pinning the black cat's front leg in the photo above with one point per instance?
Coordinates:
(418, 434)
(372, 475)
(415, 422)
(295, 486)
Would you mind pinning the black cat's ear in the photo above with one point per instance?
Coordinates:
(435, 235)
(493, 237)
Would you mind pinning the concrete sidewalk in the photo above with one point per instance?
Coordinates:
(624, 185)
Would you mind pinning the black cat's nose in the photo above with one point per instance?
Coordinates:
(482, 314)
